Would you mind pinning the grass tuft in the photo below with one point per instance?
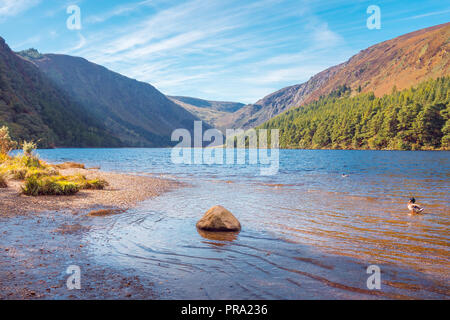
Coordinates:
(41, 178)
(49, 186)
(94, 184)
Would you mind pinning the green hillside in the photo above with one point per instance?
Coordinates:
(413, 119)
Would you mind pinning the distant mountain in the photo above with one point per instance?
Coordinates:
(209, 111)
(207, 104)
(401, 62)
(134, 112)
(35, 109)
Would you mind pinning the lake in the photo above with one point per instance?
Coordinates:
(308, 231)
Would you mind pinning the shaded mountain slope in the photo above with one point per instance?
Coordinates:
(133, 111)
(34, 108)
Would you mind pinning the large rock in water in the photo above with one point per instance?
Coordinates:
(219, 219)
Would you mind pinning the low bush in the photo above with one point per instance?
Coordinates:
(28, 148)
(6, 143)
(49, 186)
(22, 167)
(85, 184)
(93, 184)
(42, 178)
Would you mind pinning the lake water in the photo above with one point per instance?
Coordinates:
(308, 232)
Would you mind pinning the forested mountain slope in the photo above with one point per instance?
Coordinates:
(413, 119)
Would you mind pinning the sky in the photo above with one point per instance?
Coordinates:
(230, 50)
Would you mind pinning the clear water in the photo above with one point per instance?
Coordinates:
(307, 232)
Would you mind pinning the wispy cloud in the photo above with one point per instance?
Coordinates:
(10, 8)
(197, 45)
(81, 42)
(428, 14)
(214, 49)
(118, 11)
(27, 42)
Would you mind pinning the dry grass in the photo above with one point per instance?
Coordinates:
(41, 178)
(71, 187)
(3, 183)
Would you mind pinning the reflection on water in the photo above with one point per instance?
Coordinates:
(307, 232)
(221, 238)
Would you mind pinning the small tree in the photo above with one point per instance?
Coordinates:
(28, 147)
(6, 143)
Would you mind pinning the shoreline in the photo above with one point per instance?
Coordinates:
(44, 235)
(125, 191)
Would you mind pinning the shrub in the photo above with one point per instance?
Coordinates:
(95, 184)
(28, 161)
(6, 143)
(28, 148)
(49, 186)
(84, 183)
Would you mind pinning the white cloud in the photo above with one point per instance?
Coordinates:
(118, 11)
(324, 37)
(10, 8)
(426, 15)
(198, 46)
(81, 43)
(291, 74)
(27, 42)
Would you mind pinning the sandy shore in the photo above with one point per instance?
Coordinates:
(124, 191)
(42, 236)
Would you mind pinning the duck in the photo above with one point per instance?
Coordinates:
(413, 207)
(344, 175)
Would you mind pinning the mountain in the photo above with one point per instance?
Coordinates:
(34, 108)
(209, 111)
(417, 118)
(401, 62)
(207, 104)
(134, 112)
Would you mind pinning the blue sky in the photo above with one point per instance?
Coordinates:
(234, 50)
